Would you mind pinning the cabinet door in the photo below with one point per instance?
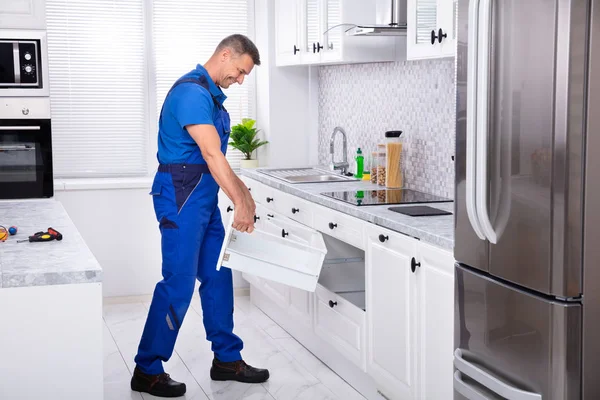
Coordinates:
(287, 38)
(332, 37)
(391, 309)
(424, 17)
(435, 279)
(23, 14)
(448, 14)
(300, 304)
(311, 33)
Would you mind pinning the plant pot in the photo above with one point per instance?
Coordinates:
(248, 163)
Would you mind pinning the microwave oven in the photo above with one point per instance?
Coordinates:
(23, 63)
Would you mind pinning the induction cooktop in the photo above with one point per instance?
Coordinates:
(381, 197)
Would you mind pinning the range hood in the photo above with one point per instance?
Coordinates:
(397, 21)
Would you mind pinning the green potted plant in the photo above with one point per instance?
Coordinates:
(243, 138)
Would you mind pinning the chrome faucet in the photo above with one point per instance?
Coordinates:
(342, 166)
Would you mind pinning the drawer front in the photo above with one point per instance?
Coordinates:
(347, 229)
(260, 192)
(293, 207)
(391, 240)
(341, 324)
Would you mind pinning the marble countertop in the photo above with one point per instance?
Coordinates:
(436, 230)
(45, 263)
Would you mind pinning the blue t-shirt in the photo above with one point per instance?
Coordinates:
(187, 104)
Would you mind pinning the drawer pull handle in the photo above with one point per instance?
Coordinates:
(256, 218)
(414, 264)
(332, 225)
(284, 233)
(269, 199)
(332, 303)
(229, 209)
(270, 215)
(383, 238)
(295, 210)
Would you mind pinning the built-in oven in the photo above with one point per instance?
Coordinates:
(25, 148)
(23, 63)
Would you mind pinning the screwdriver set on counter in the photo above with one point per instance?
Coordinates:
(48, 236)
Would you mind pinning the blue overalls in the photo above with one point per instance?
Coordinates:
(185, 203)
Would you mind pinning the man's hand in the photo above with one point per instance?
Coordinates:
(243, 215)
(207, 138)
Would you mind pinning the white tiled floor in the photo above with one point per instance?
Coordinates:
(295, 372)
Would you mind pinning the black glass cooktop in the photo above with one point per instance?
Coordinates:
(384, 196)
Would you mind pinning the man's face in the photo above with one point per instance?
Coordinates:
(234, 68)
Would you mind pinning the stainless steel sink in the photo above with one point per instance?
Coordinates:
(306, 175)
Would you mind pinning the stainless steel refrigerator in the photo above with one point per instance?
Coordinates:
(527, 204)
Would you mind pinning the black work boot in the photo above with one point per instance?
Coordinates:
(160, 385)
(237, 371)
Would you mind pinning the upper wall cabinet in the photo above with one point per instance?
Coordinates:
(313, 32)
(22, 14)
(431, 29)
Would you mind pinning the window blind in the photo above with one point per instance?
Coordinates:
(98, 87)
(185, 33)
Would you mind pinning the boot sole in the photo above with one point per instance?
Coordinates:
(219, 376)
(138, 388)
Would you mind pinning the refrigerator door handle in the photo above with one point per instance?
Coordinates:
(470, 181)
(489, 381)
(483, 66)
(466, 390)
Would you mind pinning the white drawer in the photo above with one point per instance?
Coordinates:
(293, 207)
(390, 239)
(279, 250)
(260, 192)
(347, 229)
(341, 324)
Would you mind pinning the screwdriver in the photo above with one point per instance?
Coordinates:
(52, 234)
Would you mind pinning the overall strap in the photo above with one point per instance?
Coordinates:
(198, 81)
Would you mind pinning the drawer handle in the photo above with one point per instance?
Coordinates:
(270, 215)
(332, 225)
(414, 264)
(269, 199)
(295, 210)
(229, 209)
(249, 189)
(256, 218)
(284, 233)
(383, 238)
(332, 303)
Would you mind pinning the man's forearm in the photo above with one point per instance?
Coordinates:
(225, 177)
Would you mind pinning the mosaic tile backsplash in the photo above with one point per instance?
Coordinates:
(416, 97)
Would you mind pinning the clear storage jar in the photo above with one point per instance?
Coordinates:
(394, 178)
(373, 165)
(381, 164)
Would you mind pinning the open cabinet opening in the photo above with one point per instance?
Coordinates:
(343, 271)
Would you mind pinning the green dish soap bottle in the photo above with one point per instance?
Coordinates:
(359, 164)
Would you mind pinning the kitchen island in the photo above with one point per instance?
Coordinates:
(382, 313)
(51, 307)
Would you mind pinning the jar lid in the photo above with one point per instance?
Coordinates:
(393, 133)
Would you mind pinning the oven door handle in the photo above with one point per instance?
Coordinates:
(16, 148)
(20, 128)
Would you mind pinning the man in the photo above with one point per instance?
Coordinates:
(192, 140)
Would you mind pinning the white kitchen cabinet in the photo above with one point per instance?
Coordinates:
(310, 32)
(435, 277)
(23, 14)
(392, 308)
(427, 19)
